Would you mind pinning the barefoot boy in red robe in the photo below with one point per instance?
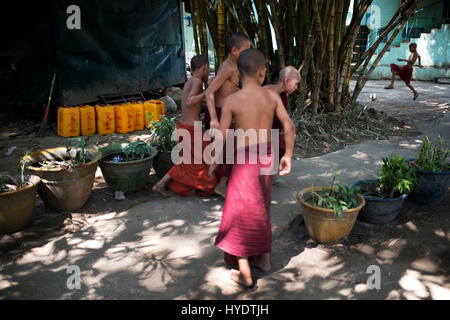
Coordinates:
(185, 177)
(405, 72)
(224, 84)
(245, 229)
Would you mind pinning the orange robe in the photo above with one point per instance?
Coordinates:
(186, 177)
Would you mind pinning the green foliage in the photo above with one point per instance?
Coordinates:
(80, 147)
(161, 133)
(337, 197)
(22, 170)
(396, 176)
(136, 150)
(432, 157)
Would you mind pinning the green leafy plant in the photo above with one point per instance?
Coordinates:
(136, 150)
(338, 197)
(22, 170)
(396, 176)
(432, 156)
(80, 147)
(161, 133)
(72, 163)
(17, 184)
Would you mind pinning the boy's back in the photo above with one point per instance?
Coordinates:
(257, 113)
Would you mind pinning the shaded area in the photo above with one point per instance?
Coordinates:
(120, 47)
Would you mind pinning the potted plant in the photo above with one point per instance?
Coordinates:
(17, 200)
(67, 174)
(161, 133)
(384, 196)
(126, 166)
(330, 212)
(432, 171)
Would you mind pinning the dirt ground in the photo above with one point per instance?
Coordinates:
(412, 252)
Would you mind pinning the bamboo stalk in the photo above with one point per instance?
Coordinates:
(221, 31)
(236, 19)
(262, 26)
(201, 29)
(331, 54)
(276, 25)
(317, 21)
(194, 27)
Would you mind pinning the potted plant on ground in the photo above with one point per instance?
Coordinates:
(384, 196)
(330, 212)
(17, 200)
(432, 171)
(126, 166)
(67, 174)
(161, 133)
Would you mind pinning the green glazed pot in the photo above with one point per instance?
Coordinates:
(125, 175)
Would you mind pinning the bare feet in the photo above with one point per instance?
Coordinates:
(161, 188)
(239, 279)
(221, 188)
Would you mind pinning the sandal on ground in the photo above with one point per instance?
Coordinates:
(389, 87)
(415, 96)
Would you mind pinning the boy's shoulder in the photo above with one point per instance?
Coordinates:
(192, 81)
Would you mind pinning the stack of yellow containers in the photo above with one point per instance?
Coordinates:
(106, 119)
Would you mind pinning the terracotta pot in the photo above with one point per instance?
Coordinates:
(64, 189)
(17, 207)
(323, 225)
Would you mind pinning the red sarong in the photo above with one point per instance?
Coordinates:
(245, 229)
(222, 169)
(277, 125)
(186, 177)
(404, 72)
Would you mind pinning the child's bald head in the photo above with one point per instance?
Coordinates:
(251, 63)
(289, 72)
(290, 78)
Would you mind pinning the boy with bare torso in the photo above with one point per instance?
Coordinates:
(405, 72)
(184, 177)
(245, 230)
(224, 84)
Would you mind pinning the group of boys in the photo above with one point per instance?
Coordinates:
(245, 230)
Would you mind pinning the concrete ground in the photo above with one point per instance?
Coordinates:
(163, 249)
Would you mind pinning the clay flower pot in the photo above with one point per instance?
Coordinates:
(17, 207)
(63, 189)
(323, 225)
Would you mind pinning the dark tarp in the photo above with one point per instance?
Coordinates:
(122, 46)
